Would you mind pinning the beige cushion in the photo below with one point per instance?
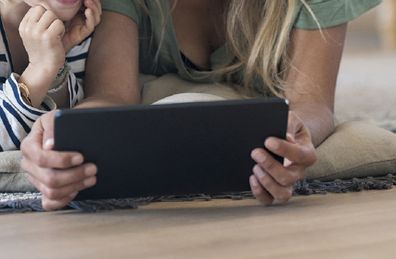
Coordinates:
(356, 149)
(12, 178)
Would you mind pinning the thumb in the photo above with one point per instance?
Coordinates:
(47, 121)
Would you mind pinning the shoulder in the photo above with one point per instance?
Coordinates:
(312, 14)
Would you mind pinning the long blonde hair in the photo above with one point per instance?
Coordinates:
(257, 35)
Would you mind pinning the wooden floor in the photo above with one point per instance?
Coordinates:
(357, 225)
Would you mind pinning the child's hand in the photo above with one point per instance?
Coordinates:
(83, 24)
(41, 32)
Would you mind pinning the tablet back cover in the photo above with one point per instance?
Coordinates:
(170, 149)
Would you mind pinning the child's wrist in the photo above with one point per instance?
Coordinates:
(38, 79)
(48, 70)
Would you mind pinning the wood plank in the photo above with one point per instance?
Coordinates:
(359, 225)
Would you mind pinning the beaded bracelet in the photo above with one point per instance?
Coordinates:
(59, 79)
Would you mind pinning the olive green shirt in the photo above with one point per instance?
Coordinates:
(169, 60)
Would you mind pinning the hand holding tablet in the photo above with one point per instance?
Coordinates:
(171, 149)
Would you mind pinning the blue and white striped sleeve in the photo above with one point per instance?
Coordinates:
(75, 61)
(17, 117)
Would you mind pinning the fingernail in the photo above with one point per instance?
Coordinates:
(89, 182)
(73, 195)
(258, 171)
(259, 156)
(49, 143)
(77, 160)
(90, 170)
(272, 144)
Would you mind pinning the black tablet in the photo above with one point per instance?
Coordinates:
(171, 149)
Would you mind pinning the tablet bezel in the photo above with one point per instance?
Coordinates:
(80, 130)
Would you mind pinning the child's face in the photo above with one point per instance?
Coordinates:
(64, 9)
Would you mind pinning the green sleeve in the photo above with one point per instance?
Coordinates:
(331, 13)
(129, 8)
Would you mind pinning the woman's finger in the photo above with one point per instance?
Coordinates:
(297, 153)
(49, 204)
(279, 193)
(32, 149)
(49, 158)
(259, 192)
(283, 176)
(64, 192)
(53, 178)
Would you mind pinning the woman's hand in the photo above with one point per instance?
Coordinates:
(59, 176)
(273, 182)
(83, 24)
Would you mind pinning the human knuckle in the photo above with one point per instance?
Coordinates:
(51, 181)
(41, 160)
(51, 193)
(58, 23)
(270, 165)
(63, 161)
(35, 34)
(46, 36)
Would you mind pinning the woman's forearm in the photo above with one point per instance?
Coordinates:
(104, 101)
(107, 82)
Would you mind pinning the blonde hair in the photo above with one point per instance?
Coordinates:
(257, 35)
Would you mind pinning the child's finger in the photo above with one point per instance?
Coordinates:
(89, 22)
(57, 28)
(34, 14)
(46, 20)
(55, 204)
(96, 8)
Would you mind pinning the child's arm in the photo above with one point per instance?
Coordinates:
(18, 113)
(17, 116)
(41, 32)
(68, 88)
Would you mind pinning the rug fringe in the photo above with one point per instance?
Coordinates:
(27, 202)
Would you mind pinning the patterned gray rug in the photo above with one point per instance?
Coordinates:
(28, 202)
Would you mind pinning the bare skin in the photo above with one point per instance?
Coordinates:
(311, 95)
(40, 33)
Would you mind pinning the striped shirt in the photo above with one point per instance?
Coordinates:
(16, 116)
